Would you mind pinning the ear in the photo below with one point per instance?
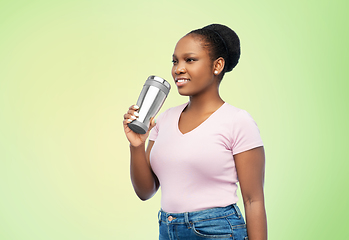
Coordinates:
(218, 66)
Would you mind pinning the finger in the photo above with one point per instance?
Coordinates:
(152, 123)
(133, 113)
(126, 122)
(134, 107)
(129, 118)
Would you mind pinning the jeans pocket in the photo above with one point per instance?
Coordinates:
(213, 228)
(239, 227)
(240, 232)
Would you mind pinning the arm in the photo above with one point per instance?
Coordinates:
(250, 170)
(144, 181)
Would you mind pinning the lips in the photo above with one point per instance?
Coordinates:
(181, 81)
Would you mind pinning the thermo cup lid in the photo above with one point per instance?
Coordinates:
(159, 82)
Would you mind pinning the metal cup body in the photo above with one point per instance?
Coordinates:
(152, 97)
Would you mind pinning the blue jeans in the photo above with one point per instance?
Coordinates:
(214, 223)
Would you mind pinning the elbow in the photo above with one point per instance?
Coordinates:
(249, 199)
(145, 193)
(145, 197)
(253, 200)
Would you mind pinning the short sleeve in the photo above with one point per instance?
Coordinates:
(155, 130)
(246, 134)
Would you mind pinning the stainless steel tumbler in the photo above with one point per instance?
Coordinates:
(153, 95)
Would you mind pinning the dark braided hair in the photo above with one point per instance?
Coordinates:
(220, 41)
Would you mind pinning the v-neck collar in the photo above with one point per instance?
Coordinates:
(197, 127)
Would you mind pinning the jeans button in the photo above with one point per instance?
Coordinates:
(170, 218)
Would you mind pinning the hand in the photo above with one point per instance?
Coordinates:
(135, 139)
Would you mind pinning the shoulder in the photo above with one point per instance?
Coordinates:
(236, 114)
(171, 112)
(239, 120)
(244, 132)
(232, 109)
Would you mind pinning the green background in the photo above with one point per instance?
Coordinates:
(69, 70)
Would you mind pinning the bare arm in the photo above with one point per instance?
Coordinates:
(144, 181)
(250, 170)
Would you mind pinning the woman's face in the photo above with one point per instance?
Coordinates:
(192, 67)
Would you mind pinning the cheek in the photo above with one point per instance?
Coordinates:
(173, 71)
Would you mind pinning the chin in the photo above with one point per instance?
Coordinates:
(184, 93)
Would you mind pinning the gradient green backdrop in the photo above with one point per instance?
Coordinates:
(69, 70)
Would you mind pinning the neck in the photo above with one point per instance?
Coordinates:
(205, 103)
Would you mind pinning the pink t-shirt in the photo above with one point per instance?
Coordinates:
(196, 170)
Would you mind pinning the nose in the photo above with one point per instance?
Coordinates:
(179, 69)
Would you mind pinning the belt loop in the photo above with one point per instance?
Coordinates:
(159, 216)
(186, 219)
(237, 210)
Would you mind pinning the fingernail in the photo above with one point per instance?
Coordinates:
(129, 120)
(135, 107)
(136, 114)
(133, 117)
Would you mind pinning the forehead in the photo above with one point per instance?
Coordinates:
(188, 44)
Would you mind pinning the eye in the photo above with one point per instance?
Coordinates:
(174, 61)
(190, 60)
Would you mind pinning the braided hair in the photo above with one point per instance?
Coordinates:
(220, 41)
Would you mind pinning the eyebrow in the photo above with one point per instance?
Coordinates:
(185, 54)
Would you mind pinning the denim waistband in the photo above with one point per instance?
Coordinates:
(187, 217)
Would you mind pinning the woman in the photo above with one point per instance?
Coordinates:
(197, 151)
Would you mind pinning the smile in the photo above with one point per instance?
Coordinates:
(181, 81)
